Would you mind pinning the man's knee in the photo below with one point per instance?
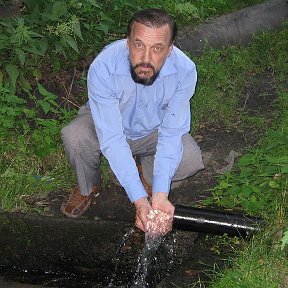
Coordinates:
(78, 137)
(68, 135)
(192, 157)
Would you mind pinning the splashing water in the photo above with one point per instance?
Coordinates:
(158, 226)
(145, 260)
(117, 257)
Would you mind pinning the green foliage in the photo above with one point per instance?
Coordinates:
(11, 108)
(16, 117)
(76, 29)
(260, 175)
(284, 240)
(260, 264)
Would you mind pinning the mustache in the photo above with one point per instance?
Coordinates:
(144, 65)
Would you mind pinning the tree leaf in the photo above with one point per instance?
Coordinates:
(77, 30)
(21, 55)
(13, 73)
(40, 46)
(42, 90)
(71, 42)
(45, 106)
(103, 27)
(94, 3)
(59, 8)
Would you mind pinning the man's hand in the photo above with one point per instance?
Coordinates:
(160, 202)
(164, 221)
(143, 208)
(150, 219)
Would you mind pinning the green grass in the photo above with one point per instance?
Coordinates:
(261, 264)
(194, 12)
(259, 183)
(26, 177)
(225, 74)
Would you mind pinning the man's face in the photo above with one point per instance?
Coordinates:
(148, 50)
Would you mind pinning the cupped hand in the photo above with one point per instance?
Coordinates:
(143, 208)
(164, 219)
(160, 202)
(155, 218)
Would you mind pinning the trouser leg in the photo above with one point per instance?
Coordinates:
(190, 164)
(83, 150)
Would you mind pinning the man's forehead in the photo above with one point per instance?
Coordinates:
(160, 35)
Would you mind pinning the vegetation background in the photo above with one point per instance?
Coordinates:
(45, 50)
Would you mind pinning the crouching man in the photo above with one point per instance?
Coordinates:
(139, 90)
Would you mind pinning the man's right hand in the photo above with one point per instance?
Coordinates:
(143, 208)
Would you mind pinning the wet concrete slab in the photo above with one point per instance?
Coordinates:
(11, 284)
(73, 253)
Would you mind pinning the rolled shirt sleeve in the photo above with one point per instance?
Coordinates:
(175, 124)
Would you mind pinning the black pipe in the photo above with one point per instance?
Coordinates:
(215, 222)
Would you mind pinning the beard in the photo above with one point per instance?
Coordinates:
(147, 81)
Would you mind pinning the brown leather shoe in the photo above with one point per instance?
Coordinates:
(78, 204)
(145, 183)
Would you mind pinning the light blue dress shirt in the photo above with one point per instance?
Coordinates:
(123, 109)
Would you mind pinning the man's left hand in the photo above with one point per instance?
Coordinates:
(161, 203)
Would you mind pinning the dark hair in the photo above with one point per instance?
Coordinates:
(153, 18)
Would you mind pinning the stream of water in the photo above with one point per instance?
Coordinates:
(145, 261)
(148, 265)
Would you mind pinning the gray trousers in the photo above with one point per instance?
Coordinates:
(83, 152)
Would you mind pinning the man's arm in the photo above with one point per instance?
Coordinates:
(104, 106)
(176, 123)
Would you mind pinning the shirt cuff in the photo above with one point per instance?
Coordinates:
(135, 190)
(161, 183)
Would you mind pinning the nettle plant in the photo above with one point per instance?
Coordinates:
(260, 179)
(16, 117)
(44, 34)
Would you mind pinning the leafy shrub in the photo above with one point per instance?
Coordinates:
(259, 177)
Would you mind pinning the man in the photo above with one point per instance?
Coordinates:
(139, 90)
